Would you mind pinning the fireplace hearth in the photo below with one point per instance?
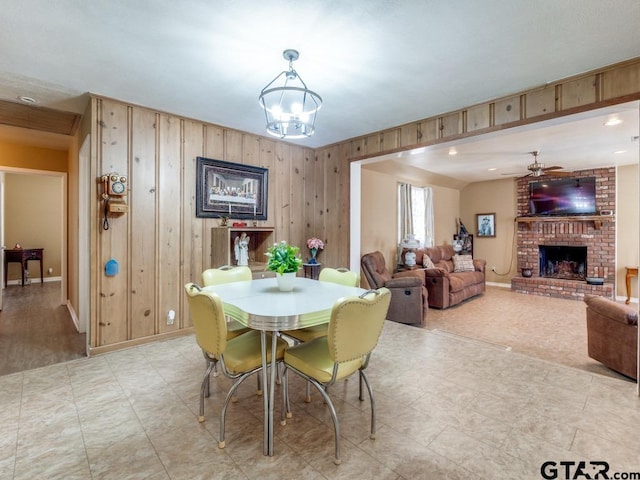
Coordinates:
(564, 262)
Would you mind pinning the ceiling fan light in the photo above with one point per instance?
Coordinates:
(536, 166)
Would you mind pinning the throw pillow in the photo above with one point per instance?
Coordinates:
(426, 262)
(463, 263)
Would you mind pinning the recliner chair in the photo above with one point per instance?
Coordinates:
(409, 296)
(612, 334)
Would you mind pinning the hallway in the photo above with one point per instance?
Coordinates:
(35, 330)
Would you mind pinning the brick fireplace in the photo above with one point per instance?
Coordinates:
(562, 272)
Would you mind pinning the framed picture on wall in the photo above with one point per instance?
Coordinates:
(486, 224)
(233, 190)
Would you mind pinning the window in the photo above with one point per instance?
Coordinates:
(415, 213)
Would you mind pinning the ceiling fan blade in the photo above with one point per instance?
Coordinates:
(552, 168)
(557, 173)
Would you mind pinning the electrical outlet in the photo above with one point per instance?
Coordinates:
(493, 269)
(171, 316)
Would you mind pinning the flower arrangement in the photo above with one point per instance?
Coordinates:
(283, 258)
(316, 243)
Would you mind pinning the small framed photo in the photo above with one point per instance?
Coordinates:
(486, 223)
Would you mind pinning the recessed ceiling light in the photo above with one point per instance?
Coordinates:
(617, 152)
(26, 99)
(453, 151)
(613, 121)
(492, 169)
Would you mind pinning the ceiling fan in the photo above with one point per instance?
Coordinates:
(538, 169)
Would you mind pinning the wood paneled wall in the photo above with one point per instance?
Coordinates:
(160, 244)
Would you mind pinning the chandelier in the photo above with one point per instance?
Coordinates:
(290, 108)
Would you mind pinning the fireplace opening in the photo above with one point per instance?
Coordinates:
(560, 261)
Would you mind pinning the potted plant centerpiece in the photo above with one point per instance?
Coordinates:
(284, 260)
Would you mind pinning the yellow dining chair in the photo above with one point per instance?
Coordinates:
(239, 357)
(340, 276)
(353, 333)
(228, 274)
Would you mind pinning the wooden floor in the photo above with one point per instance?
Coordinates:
(35, 330)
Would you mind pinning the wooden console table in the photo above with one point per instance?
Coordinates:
(22, 256)
(631, 272)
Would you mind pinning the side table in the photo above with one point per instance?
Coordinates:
(22, 256)
(311, 270)
(631, 272)
(404, 268)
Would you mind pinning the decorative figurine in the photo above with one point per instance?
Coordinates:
(241, 249)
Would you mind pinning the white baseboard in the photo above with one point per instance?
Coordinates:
(624, 299)
(74, 316)
(499, 284)
(35, 280)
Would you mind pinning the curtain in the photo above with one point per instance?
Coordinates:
(429, 234)
(405, 211)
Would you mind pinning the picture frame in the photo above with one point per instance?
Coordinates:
(231, 190)
(486, 224)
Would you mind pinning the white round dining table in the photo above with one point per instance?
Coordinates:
(260, 305)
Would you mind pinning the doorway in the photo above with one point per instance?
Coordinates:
(36, 328)
(376, 184)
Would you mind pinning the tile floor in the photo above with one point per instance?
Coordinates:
(447, 408)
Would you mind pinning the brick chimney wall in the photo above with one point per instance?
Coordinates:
(597, 233)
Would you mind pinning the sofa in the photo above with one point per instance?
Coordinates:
(409, 296)
(612, 334)
(451, 279)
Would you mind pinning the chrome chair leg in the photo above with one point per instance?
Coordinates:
(325, 396)
(285, 411)
(230, 395)
(307, 397)
(334, 417)
(204, 389)
(363, 376)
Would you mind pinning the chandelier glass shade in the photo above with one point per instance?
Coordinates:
(290, 108)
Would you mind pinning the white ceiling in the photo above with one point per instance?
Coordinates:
(376, 63)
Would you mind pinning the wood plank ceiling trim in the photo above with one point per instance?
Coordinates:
(38, 118)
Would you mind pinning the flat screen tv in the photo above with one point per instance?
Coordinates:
(567, 196)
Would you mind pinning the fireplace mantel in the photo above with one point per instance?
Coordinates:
(596, 219)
